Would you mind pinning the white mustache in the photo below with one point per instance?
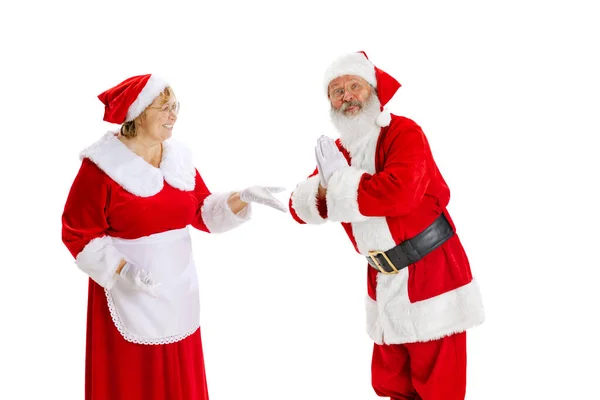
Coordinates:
(348, 104)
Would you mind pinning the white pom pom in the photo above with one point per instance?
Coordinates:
(384, 118)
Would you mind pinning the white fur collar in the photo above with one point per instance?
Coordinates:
(136, 175)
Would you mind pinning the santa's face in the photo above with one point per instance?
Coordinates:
(160, 117)
(354, 111)
(348, 94)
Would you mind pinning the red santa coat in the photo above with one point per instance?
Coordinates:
(120, 206)
(391, 191)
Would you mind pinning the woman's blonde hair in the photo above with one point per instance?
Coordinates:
(129, 128)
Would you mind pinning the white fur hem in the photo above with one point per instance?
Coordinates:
(153, 88)
(342, 195)
(99, 259)
(217, 215)
(392, 319)
(304, 201)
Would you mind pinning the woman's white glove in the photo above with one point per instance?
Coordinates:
(329, 159)
(263, 195)
(139, 279)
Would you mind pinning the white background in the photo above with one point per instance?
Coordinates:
(506, 91)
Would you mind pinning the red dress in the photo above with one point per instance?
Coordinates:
(119, 206)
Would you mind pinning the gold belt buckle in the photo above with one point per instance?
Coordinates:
(372, 256)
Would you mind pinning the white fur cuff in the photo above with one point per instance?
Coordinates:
(100, 259)
(217, 215)
(304, 201)
(342, 195)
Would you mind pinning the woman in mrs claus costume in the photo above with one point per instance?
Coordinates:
(126, 223)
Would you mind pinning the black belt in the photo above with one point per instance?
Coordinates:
(412, 250)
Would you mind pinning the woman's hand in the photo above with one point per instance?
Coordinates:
(258, 194)
(139, 278)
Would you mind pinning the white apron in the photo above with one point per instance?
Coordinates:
(175, 313)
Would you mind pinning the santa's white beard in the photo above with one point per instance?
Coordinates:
(356, 129)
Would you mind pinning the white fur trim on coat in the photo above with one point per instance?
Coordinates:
(304, 201)
(136, 175)
(153, 88)
(351, 64)
(393, 319)
(342, 195)
(217, 215)
(99, 259)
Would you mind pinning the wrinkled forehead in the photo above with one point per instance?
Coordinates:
(346, 79)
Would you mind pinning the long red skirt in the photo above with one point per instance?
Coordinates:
(116, 369)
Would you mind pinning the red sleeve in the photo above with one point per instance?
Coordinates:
(213, 214)
(84, 225)
(400, 186)
(84, 214)
(201, 192)
(354, 194)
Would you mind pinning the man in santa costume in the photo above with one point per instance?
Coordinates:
(379, 179)
(126, 222)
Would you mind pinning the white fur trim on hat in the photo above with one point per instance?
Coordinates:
(153, 88)
(351, 64)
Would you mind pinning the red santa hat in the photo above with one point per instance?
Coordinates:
(358, 64)
(129, 99)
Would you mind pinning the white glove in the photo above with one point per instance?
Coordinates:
(262, 195)
(329, 158)
(139, 278)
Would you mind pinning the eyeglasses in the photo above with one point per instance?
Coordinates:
(339, 92)
(168, 108)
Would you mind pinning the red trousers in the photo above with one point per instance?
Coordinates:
(435, 370)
